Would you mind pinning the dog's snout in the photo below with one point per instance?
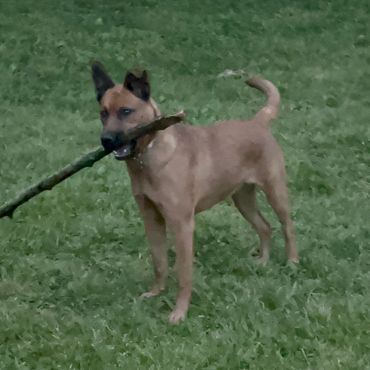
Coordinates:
(110, 141)
(107, 140)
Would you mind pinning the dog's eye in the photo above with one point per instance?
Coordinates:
(104, 114)
(124, 112)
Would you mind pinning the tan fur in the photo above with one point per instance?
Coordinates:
(187, 169)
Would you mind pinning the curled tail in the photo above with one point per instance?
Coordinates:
(271, 108)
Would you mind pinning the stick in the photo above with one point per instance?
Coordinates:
(159, 124)
(86, 160)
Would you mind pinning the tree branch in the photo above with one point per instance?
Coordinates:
(86, 160)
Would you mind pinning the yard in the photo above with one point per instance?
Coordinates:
(74, 261)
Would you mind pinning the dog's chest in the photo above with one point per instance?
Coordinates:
(143, 180)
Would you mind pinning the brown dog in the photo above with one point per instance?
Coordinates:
(184, 170)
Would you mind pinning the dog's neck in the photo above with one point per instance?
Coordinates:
(156, 150)
(141, 148)
(146, 140)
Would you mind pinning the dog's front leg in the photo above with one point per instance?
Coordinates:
(155, 229)
(183, 230)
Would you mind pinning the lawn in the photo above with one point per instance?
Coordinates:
(74, 261)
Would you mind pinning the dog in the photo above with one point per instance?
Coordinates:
(183, 170)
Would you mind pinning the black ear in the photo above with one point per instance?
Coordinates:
(101, 80)
(138, 85)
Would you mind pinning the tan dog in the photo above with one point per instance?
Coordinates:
(184, 170)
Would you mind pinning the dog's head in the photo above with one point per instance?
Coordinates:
(122, 107)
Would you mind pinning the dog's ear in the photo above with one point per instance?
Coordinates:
(138, 84)
(101, 80)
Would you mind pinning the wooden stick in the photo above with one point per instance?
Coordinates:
(86, 160)
(159, 124)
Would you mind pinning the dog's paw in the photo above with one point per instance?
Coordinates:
(176, 316)
(293, 260)
(262, 261)
(150, 294)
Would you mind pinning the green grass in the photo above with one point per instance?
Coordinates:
(74, 261)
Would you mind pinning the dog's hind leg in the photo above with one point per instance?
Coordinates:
(155, 228)
(246, 202)
(277, 195)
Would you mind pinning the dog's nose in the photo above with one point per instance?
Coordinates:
(107, 141)
(110, 141)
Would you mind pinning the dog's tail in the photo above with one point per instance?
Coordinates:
(271, 109)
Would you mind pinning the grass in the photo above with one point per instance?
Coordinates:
(74, 261)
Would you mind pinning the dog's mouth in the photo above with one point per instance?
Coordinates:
(126, 151)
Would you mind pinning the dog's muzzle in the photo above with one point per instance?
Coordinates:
(114, 142)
